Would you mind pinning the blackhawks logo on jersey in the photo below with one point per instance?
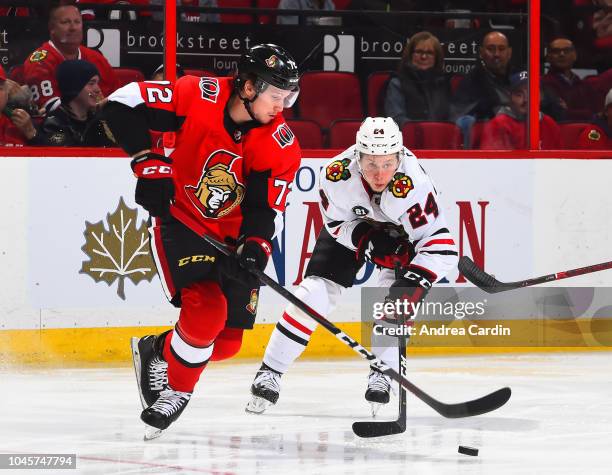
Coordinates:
(594, 135)
(38, 56)
(338, 170)
(401, 185)
(218, 192)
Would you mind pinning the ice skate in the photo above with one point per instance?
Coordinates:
(265, 390)
(168, 407)
(378, 391)
(150, 367)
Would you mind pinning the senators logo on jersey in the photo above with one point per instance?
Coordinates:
(253, 301)
(218, 192)
(283, 135)
(338, 170)
(401, 185)
(209, 88)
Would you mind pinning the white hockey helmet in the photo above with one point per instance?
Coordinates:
(379, 136)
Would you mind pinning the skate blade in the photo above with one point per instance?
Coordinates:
(375, 407)
(257, 405)
(152, 432)
(137, 369)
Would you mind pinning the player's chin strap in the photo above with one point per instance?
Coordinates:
(247, 105)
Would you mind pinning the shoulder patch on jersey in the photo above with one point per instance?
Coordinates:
(594, 135)
(38, 56)
(401, 185)
(209, 88)
(338, 170)
(360, 211)
(283, 135)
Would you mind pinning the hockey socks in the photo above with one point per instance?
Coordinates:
(288, 341)
(185, 361)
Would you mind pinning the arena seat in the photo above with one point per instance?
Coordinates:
(410, 135)
(235, 17)
(128, 75)
(342, 133)
(308, 133)
(439, 135)
(376, 86)
(268, 18)
(476, 134)
(326, 96)
(199, 72)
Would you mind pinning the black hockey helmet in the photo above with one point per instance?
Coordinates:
(272, 64)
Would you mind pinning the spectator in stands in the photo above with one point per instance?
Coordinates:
(598, 136)
(419, 90)
(66, 35)
(16, 127)
(602, 24)
(578, 96)
(507, 130)
(486, 87)
(74, 123)
(323, 5)
(191, 16)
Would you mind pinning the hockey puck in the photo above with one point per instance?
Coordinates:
(467, 450)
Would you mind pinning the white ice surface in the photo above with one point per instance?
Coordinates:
(558, 421)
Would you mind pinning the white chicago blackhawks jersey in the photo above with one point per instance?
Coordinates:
(409, 203)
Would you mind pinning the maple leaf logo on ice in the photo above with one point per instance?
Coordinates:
(120, 252)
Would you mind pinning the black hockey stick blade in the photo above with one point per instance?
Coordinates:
(480, 278)
(367, 429)
(476, 407)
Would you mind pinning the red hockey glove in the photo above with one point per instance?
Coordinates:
(155, 188)
(379, 247)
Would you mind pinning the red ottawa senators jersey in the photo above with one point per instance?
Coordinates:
(224, 174)
(39, 72)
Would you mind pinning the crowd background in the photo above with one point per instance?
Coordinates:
(49, 91)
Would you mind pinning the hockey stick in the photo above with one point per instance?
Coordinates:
(382, 428)
(491, 285)
(475, 407)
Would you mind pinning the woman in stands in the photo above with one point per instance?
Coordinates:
(419, 90)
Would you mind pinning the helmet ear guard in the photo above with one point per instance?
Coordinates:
(379, 136)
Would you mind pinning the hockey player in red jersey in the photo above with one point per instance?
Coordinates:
(65, 38)
(378, 204)
(228, 176)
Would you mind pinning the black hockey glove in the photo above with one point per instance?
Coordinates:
(379, 247)
(253, 254)
(155, 188)
(412, 289)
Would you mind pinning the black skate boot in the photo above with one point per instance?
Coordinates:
(150, 366)
(168, 407)
(378, 391)
(265, 390)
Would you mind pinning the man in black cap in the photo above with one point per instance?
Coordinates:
(73, 123)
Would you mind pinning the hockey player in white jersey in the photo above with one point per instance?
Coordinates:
(378, 204)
